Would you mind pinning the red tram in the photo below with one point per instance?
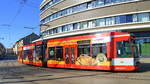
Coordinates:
(113, 51)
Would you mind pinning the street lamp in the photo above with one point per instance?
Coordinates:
(45, 25)
(32, 28)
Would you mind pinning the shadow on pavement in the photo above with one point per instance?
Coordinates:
(144, 67)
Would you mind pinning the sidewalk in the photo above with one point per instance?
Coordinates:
(145, 60)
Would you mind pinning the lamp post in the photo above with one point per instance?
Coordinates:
(44, 42)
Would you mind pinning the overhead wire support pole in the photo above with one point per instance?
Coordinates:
(44, 42)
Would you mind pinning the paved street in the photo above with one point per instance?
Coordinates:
(11, 72)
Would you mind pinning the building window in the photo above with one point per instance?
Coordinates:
(99, 2)
(49, 4)
(51, 31)
(47, 33)
(83, 6)
(91, 4)
(54, 30)
(143, 17)
(63, 12)
(129, 18)
(59, 14)
(135, 18)
(59, 29)
(120, 19)
(76, 26)
(65, 28)
(110, 21)
(91, 24)
(108, 2)
(83, 25)
(100, 22)
(74, 9)
(70, 27)
(118, 1)
(69, 10)
(78, 8)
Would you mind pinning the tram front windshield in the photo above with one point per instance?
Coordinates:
(126, 49)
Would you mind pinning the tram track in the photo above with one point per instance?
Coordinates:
(107, 74)
(20, 71)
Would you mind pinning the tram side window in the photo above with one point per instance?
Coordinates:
(39, 52)
(26, 54)
(59, 53)
(51, 52)
(99, 49)
(84, 48)
(124, 49)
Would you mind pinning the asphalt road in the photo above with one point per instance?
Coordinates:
(11, 72)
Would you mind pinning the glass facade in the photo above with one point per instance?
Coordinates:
(49, 4)
(101, 22)
(83, 25)
(91, 24)
(76, 26)
(143, 17)
(110, 21)
(80, 7)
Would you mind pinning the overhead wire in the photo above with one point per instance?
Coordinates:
(22, 2)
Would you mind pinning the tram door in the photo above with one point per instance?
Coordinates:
(70, 54)
(31, 56)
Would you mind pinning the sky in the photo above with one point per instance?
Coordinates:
(14, 16)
